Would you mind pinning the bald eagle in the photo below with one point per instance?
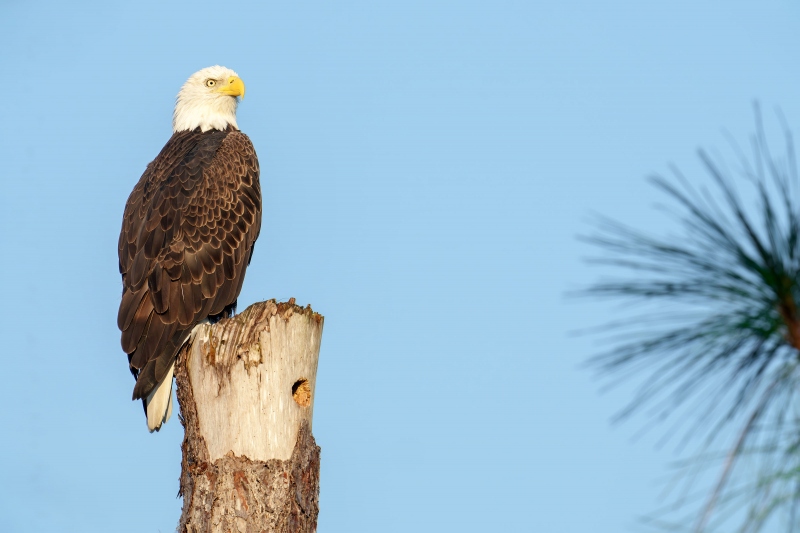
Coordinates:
(187, 236)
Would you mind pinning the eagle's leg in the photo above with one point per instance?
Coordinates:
(228, 312)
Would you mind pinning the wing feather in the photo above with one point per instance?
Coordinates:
(131, 301)
(132, 335)
(189, 222)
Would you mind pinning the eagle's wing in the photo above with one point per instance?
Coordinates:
(187, 236)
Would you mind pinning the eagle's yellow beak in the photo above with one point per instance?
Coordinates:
(234, 87)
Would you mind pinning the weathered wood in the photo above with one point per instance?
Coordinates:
(246, 392)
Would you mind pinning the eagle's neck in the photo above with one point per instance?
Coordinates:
(206, 112)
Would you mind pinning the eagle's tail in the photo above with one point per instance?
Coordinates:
(159, 402)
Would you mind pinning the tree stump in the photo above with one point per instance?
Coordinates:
(246, 392)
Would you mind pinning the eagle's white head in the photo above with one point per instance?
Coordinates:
(208, 100)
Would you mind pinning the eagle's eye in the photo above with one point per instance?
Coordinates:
(210, 83)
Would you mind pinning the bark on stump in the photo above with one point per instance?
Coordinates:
(246, 391)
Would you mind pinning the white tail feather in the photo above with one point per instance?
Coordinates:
(159, 402)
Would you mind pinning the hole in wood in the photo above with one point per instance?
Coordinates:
(301, 392)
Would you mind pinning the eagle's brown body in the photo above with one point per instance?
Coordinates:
(187, 237)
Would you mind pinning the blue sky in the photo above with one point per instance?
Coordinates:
(426, 167)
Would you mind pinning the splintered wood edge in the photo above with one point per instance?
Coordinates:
(245, 327)
(259, 310)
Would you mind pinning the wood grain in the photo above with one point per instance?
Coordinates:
(246, 390)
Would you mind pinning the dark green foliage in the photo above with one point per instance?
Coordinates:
(719, 340)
